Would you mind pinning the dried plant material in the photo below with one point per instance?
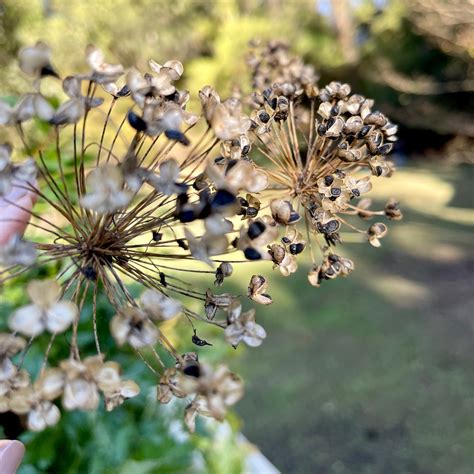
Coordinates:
(392, 210)
(107, 193)
(324, 147)
(148, 199)
(102, 72)
(241, 327)
(47, 311)
(376, 232)
(17, 252)
(133, 326)
(214, 391)
(224, 270)
(35, 61)
(256, 290)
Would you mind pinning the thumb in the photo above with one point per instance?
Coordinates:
(14, 217)
(11, 454)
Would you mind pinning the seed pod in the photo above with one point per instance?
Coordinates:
(392, 210)
(375, 232)
(256, 290)
(277, 253)
(375, 118)
(283, 213)
(223, 271)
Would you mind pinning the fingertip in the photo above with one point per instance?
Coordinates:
(14, 218)
(11, 454)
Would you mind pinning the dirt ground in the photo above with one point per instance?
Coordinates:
(375, 373)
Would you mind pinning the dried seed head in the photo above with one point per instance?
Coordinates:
(392, 210)
(375, 232)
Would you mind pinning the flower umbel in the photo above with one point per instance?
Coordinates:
(325, 147)
(139, 202)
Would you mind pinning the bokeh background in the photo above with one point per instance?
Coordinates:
(370, 374)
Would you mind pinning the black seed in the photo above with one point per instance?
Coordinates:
(222, 198)
(187, 216)
(48, 71)
(178, 136)
(136, 122)
(219, 160)
(378, 170)
(294, 216)
(332, 226)
(335, 110)
(252, 254)
(364, 131)
(273, 103)
(328, 180)
(356, 192)
(285, 240)
(193, 370)
(384, 149)
(336, 191)
(252, 212)
(322, 129)
(264, 117)
(157, 236)
(333, 258)
(295, 249)
(199, 342)
(245, 150)
(331, 121)
(255, 229)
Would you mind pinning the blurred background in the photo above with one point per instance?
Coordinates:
(370, 374)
